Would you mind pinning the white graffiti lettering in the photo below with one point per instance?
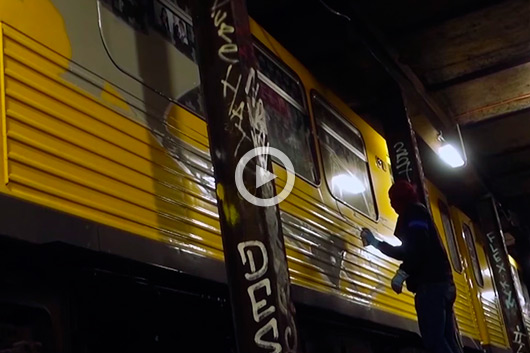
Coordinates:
(506, 288)
(225, 50)
(403, 164)
(258, 305)
(496, 254)
(218, 19)
(258, 293)
(275, 347)
(518, 339)
(248, 256)
(236, 114)
(228, 51)
(501, 267)
(491, 237)
(257, 117)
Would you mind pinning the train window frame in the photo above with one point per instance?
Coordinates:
(304, 108)
(475, 265)
(451, 238)
(316, 96)
(176, 11)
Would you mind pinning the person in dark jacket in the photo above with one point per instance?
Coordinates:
(425, 268)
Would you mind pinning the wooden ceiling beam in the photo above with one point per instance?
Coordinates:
(489, 96)
(497, 36)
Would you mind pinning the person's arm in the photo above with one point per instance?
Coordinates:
(396, 252)
(417, 244)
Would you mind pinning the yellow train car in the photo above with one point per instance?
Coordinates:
(485, 300)
(101, 120)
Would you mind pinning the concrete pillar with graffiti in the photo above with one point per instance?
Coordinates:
(503, 276)
(403, 147)
(254, 251)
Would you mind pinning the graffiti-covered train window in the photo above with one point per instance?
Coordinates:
(153, 42)
(344, 157)
(450, 236)
(288, 125)
(470, 243)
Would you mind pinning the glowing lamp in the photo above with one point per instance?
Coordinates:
(450, 155)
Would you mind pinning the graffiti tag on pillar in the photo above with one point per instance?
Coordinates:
(259, 291)
(253, 106)
(500, 267)
(519, 339)
(253, 243)
(506, 289)
(403, 163)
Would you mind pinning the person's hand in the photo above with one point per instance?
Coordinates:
(397, 281)
(368, 237)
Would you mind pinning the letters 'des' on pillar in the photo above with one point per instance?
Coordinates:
(502, 276)
(403, 147)
(253, 244)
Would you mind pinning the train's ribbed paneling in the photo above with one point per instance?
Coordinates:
(68, 150)
(493, 322)
(464, 311)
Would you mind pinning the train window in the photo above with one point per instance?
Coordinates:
(288, 125)
(25, 329)
(344, 158)
(153, 42)
(470, 242)
(450, 236)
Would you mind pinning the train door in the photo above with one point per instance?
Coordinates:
(489, 298)
(464, 312)
(484, 298)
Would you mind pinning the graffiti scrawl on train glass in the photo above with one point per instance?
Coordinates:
(344, 157)
(287, 118)
(153, 42)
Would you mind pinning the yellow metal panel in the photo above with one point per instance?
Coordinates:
(72, 151)
(38, 19)
(487, 336)
(67, 150)
(464, 312)
(3, 109)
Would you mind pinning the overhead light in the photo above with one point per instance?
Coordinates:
(348, 184)
(450, 155)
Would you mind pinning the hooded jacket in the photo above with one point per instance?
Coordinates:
(422, 252)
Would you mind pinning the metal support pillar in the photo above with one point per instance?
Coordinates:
(502, 275)
(256, 263)
(403, 146)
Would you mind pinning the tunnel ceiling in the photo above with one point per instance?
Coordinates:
(472, 57)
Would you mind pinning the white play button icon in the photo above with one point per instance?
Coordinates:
(263, 176)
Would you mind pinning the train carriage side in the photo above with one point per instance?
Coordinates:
(484, 297)
(465, 313)
(101, 120)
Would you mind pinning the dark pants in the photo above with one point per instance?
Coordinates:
(434, 306)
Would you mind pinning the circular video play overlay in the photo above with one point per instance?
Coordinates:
(263, 176)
